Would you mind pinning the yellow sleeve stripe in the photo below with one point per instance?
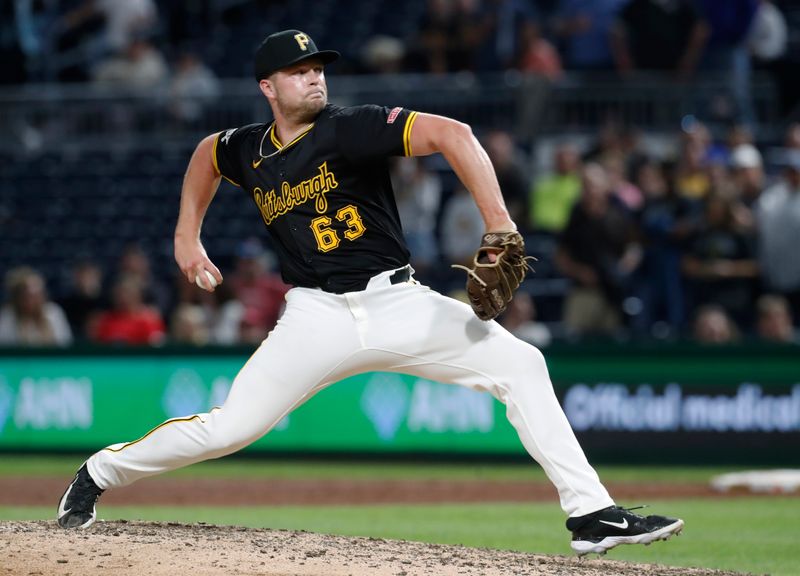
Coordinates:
(232, 182)
(214, 160)
(214, 153)
(407, 133)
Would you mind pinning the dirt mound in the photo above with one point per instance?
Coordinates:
(158, 549)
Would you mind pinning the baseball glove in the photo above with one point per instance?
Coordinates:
(491, 285)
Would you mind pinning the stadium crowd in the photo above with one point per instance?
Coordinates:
(186, 45)
(695, 240)
(702, 245)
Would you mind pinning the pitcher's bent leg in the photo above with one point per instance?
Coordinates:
(533, 409)
(455, 347)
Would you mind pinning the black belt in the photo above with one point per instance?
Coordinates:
(400, 276)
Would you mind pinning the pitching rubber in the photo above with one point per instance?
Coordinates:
(582, 547)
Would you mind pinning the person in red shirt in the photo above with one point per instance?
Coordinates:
(130, 321)
(260, 291)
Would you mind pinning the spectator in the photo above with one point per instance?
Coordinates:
(584, 27)
(23, 24)
(610, 143)
(768, 35)
(189, 325)
(85, 298)
(193, 87)
(728, 23)
(97, 29)
(777, 214)
(538, 55)
(123, 19)
(712, 325)
(130, 320)
(774, 320)
(418, 191)
(449, 34)
(259, 289)
(792, 138)
(435, 30)
(135, 262)
(383, 55)
(748, 181)
(461, 228)
(510, 171)
(624, 192)
(720, 262)
(504, 24)
(520, 319)
(738, 135)
(783, 67)
(554, 194)
(597, 251)
(665, 221)
(662, 35)
(140, 67)
(29, 318)
(692, 178)
(227, 316)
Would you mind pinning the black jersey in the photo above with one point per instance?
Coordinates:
(325, 197)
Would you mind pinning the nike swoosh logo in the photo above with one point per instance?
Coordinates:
(621, 525)
(257, 164)
(61, 509)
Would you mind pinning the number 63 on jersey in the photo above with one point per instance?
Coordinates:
(327, 237)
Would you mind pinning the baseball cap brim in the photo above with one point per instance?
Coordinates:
(327, 56)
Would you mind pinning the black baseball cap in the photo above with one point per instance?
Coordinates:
(285, 48)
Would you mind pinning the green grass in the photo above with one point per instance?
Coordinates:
(758, 535)
(65, 466)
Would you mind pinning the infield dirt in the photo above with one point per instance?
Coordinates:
(157, 549)
(122, 548)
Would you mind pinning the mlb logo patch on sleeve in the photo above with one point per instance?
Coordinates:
(393, 115)
(227, 137)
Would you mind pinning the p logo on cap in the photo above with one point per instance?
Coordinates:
(302, 40)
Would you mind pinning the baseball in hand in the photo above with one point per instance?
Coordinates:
(212, 282)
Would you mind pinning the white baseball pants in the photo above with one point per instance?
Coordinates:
(322, 338)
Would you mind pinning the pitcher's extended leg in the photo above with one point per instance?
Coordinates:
(290, 366)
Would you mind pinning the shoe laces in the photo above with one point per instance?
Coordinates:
(86, 494)
(634, 507)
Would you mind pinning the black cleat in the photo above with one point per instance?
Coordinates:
(77, 506)
(601, 531)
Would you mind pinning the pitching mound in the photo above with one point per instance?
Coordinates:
(158, 549)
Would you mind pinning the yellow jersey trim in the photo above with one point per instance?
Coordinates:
(172, 421)
(175, 420)
(214, 161)
(274, 139)
(407, 134)
(214, 153)
(231, 181)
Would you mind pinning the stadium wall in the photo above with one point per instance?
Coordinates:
(627, 403)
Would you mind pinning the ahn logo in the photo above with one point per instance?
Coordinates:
(60, 403)
(6, 402)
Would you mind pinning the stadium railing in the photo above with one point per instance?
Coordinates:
(46, 117)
